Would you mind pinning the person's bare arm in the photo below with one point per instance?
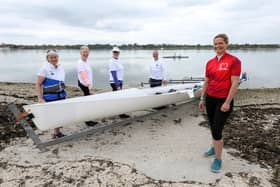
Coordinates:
(232, 92)
(40, 80)
(203, 93)
(84, 76)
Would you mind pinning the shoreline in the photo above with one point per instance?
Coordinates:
(256, 115)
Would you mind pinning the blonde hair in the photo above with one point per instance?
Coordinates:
(223, 36)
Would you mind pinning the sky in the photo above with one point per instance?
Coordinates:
(138, 21)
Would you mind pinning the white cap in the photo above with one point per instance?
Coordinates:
(116, 49)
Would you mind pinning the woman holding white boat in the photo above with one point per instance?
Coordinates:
(50, 83)
(116, 73)
(220, 86)
(116, 70)
(84, 72)
(85, 81)
(157, 71)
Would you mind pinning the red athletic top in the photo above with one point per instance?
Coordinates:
(219, 73)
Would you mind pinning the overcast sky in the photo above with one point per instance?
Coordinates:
(138, 21)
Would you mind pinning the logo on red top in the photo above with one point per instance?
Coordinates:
(223, 66)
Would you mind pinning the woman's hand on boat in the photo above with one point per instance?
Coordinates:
(201, 105)
(164, 82)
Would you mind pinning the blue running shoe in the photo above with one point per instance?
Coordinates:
(210, 152)
(216, 165)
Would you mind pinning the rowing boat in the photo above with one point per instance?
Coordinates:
(76, 110)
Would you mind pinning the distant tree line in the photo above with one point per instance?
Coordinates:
(140, 46)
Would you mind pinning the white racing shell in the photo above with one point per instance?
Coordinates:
(80, 109)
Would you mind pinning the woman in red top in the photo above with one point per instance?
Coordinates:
(220, 86)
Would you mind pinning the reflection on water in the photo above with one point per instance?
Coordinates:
(22, 65)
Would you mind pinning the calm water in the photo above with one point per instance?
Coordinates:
(22, 65)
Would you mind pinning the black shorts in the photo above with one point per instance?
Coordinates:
(216, 117)
(83, 88)
(155, 82)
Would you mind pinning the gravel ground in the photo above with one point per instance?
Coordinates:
(253, 130)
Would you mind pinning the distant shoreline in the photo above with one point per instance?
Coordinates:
(141, 46)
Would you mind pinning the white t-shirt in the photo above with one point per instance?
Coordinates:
(84, 66)
(116, 65)
(49, 71)
(157, 70)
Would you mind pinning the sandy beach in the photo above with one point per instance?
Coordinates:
(163, 148)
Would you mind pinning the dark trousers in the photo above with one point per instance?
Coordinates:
(155, 82)
(83, 88)
(115, 87)
(217, 118)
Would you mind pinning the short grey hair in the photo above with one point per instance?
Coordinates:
(84, 47)
(51, 52)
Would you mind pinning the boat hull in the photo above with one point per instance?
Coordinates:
(76, 110)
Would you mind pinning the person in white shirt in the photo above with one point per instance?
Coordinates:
(50, 83)
(84, 72)
(116, 70)
(116, 73)
(157, 71)
(85, 81)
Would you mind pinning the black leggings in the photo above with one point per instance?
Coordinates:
(155, 82)
(217, 118)
(83, 88)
